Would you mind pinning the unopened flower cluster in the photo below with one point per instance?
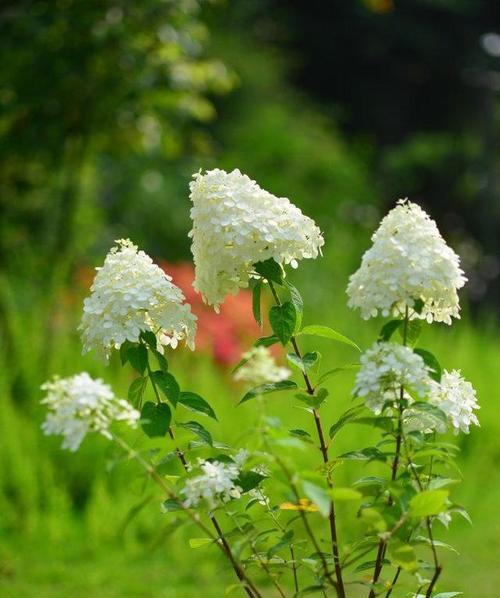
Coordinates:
(385, 368)
(214, 486)
(408, 260)
(261, 368)
(456, 397)
(131, 294)
(79, 405)
(235, 225)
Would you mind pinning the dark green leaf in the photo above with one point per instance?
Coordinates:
(149, 338)
(155, 419)
(193, 401)
(283, 319)
(411, 331)
(162, 362)
(270, 270)
(327, 332)
(302, 434)
(171, 504)
(199, 430)
(344, 419)
(167, 384)
(298, 303)
(136, 390)
(418, 306)
(248, 480)
(432, 362)
(389, 329)
(306, 362)
(124, 351)
(256, 292)
(137, 356)
(267, 388)
(266, 341)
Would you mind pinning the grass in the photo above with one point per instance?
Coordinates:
(62, 528)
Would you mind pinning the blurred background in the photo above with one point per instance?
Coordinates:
(106, 109)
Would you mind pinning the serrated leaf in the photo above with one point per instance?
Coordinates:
(427, 503)
(199, 430)
(270, 270)
(388, 330)
(167, 384)
(137, 356)
(256, 293)
(193, 401)
(317, 495)
(327, 332)
(155, 419)
(431, 362)
(344, 419)
(267, 388)
(298, 303)
(136, 390)
(266, 341)
(283, 319)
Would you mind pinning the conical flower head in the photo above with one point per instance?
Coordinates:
(235, 225)
(408, 261)
(131, 294)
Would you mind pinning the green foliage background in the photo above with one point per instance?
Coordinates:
(108, 107)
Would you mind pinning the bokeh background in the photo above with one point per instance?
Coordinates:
(107, 108)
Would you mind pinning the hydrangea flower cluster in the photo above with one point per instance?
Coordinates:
(408, 260)
(131, 294)
(385, 368)
(261, 368)
(456, 397)
(235, 225)
(214, 486)
(79, 405)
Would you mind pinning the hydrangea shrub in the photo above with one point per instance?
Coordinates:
(270, 504)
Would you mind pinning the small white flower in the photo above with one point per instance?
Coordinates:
(408, 260)
(131, 294)
(235, 225)
(215, 486)
(385, 368)
(260, 368)
(79, 405)
(456, 397)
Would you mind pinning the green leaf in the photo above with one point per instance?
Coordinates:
(411, 331)
(270, 270)
(367, 565)
(199, 542)
(428, 502)
(284, 542)
(266, 341)
(334, 371)
(377, 421)
(373, 519)
(136, 390)
(162, 362)
(193, 401)
(125, 346)
(137, 355)
(170, 505)
(256, 292)
(316, 400)
(327, 332)
(298, 303)
(403, 555)
(283, 319)
(302, 434)
(306, 362)
(431, 411)
(318, 495)
(155, 419)
(248, 480)
(202, 433)
(345, 418)
(167, 384)
(345, 494)
(388, 330)
(267, 388)
(432, 362)
(448, 594)
(149, 338)
(418, 306)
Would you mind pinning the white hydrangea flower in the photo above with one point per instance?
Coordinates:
(408, 260)
(385, 368)
(214, 486)
(79, 405)
(235, 225)
(456, 397)
(131, 294)
(261, 368)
